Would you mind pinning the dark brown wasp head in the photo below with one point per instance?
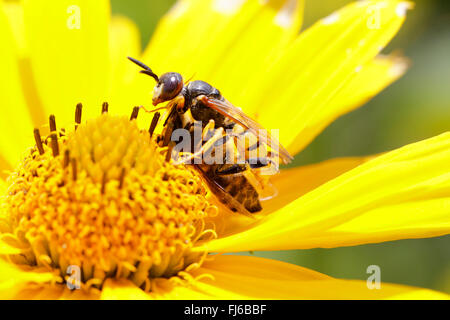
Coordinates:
(168, 86)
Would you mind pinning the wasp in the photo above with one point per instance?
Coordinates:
(240, 185)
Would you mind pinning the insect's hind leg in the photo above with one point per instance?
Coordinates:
(262, 186)
(264, 165)
(253, 163)
(230, 169)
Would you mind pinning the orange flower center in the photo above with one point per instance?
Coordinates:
(104, 199)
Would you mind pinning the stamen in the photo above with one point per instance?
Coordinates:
(74, 169)
(121, 178)
(37, 138)
(104, 182)
(78, 112)
(154, 123)
(140, 230)
(169, 151)
(52, 122)
(168, 135)
(55, 145)
(66, 158)
(105, 107)
(135, 113)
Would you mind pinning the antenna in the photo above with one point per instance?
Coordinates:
(146, 70)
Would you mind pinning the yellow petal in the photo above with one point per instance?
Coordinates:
(371, 78)
(33, 292)
(10, 272)
(53, 292)
(68, 294)
(258, 278)
(224, 268)
(245, 266)
(403, 193)
(7, 249)
(14, 12)
(15, 122)
(3, 186)
(416, 219)
(223, 42)
(122, 290)
(14, 279)
(181, 33)
(165, 289)
(70, 61)
(324, 58)
(244, 49)
(124, 41)
(289, 185)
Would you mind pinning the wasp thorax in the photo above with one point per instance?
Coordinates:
(169, 86)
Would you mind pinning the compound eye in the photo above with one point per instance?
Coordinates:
(172, 83)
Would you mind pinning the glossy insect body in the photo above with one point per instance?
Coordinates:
(200, 111)
(227, 181)
(239, 185)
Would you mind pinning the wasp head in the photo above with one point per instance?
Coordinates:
(168, 86)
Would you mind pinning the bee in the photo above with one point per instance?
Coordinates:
(240, 185)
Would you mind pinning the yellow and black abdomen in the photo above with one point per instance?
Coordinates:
(240, 191)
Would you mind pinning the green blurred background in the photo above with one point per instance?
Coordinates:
(416, 107)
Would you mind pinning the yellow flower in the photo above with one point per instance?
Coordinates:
(103, 198)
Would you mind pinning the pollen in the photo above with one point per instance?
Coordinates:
(104, 199)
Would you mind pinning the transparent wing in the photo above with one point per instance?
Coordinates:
(237, 115)
(222, 195)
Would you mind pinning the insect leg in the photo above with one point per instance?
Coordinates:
(208, 131)
(154, 123)
(259, 176)
(261, 184)
(206, 146)
(236, 168)
(256, 163)
(206, 134)
(230, 169)
(264, 165)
